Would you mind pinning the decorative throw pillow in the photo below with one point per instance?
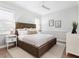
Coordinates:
(32, 31)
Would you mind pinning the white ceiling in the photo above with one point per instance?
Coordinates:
(35, 6)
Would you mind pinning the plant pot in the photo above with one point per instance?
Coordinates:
(74, 31)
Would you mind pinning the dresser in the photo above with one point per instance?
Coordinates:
(72, 44)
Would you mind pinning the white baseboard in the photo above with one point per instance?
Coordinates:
(4, 46)
(61, 41)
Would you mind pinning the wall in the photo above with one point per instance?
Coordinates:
(78, 19)
(26, 17)
(67, 16)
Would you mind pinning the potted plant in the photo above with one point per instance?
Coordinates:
(75, 24)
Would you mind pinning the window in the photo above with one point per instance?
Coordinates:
(7, 22)
(37, 22)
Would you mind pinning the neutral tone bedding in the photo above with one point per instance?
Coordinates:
(36, 39)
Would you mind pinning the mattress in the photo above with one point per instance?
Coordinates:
(36, 39)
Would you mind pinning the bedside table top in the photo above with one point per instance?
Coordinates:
(11, 35)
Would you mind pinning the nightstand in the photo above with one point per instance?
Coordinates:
(11, 39)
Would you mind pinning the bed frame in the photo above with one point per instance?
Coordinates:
(35, 51)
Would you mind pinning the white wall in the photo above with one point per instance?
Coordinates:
(78, 19)
(67, 16)
(26, 17)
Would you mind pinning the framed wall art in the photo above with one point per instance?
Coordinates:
(51, 22)
(58, 24)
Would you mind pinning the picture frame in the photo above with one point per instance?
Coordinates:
(51, 22)
(58, 24)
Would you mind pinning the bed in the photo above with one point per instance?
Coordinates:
(35, 44)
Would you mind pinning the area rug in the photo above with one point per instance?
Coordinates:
(55, 52)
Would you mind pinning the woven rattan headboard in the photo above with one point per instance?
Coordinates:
(20, 25)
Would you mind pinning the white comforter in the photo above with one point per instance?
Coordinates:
(36, 39)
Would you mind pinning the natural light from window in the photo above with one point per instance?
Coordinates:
(7, 22)
(37, 22)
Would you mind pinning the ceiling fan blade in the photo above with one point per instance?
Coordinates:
(45, 7)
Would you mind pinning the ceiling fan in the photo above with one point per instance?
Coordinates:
(44, 6)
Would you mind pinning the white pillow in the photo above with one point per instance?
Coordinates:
(22, 31)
